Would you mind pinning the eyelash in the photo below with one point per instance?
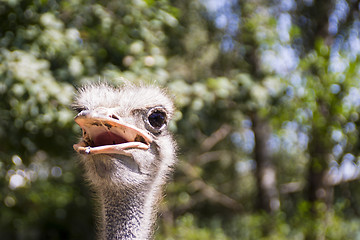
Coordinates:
(79, 109)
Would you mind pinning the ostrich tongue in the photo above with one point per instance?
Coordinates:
(108, 136)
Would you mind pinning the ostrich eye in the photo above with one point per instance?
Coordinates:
(157, 118)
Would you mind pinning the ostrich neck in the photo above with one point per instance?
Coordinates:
(128, 214)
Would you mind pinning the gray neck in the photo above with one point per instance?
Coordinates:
(127, 215)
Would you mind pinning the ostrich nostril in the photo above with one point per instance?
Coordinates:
(114, 116)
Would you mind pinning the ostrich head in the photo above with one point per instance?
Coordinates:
(125, 143)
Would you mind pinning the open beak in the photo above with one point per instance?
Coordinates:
(109, 136)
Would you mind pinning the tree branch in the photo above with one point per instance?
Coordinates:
(215, 137)
(209, 192)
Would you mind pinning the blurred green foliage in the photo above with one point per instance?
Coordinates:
(267, 122)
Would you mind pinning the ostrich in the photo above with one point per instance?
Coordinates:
(127, 154)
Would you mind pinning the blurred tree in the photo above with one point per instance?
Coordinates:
(47, 48)
(278, 58)
(268, 196)
(329, 22)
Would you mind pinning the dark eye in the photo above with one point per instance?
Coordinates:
(157, 118)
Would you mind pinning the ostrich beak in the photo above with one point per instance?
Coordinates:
(109, 136)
